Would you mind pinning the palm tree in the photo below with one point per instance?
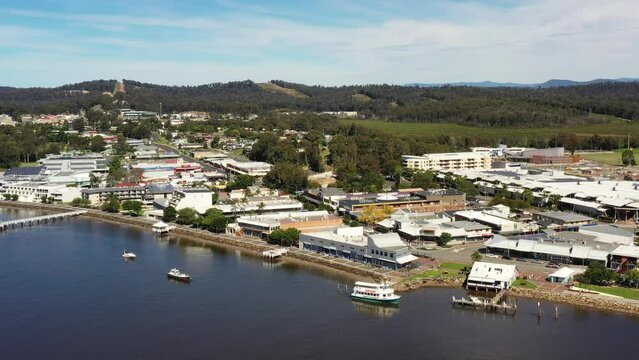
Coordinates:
(476, 256)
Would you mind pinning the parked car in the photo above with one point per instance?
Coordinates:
(507, 257)
(553, 266)
(522, 260)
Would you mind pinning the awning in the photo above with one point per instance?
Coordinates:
(406, 259)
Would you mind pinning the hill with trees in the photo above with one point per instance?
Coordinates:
(476, 106)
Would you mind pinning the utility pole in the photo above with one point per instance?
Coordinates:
(628, 141)
(160, 111)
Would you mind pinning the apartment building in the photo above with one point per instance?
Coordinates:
(448, 161)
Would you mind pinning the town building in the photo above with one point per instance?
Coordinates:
(260, 204)
(419, 226)
(609, 233)
(564, 275)
(434, 200)
(97, 196)
(561, 220)
(200, 199)
(447, 161)
(624, 258)
(6, 120)
(498, 218)
(251, 168)
(76, 162)
(491, 276)
(34, 191)
(564, 247)
(263, 224)
(387, 250)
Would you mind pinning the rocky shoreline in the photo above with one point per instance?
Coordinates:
(409, 285)
(577, 299)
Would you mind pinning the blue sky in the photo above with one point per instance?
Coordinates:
(327, 42)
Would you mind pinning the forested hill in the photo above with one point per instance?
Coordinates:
(520, 107)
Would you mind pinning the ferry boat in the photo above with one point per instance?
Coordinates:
(176, 274)
(375, 293)
(128, 255)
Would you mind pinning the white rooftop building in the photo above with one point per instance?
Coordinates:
(490, 276)
(352, 243)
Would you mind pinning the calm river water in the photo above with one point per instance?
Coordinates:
(66, 293)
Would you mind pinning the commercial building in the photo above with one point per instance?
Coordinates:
(352, 243)
(498, 219)
(624, 258)
(447, 161)
(262, 225)
(76, 162)
(251, 168)
(561, 220)
(491, 276)
(564, 247)
(260, 204)
(414, 226)
(435, 200)
(200, 199)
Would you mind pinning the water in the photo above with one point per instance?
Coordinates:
(65, 293)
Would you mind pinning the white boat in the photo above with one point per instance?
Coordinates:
(128, 255)
(176, 274)
(375, 293)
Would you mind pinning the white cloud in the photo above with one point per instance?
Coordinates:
(578, 39)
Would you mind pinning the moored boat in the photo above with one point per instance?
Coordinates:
(176, 274)
(374, 293)
(128, 255)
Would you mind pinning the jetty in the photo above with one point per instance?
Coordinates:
(490, 305)
(274, 254)
(37, 220)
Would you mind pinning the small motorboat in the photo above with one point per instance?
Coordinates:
(128, 255)
(176, 274)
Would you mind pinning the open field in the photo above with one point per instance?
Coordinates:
(615, 127)
(361, 98)
(614, 290)
(609, 158)
(446, 270)
(276, 88)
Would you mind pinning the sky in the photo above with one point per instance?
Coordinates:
(322, 42)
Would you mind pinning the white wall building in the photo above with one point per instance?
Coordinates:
(352, 243)
(33, 192)
(200, 199)
(490, 276)
(447, 161)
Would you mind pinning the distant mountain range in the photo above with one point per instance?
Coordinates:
(548, 84)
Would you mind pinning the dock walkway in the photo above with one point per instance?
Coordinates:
(45, 219)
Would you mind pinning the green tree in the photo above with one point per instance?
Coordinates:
(6, 197)
(169, 214)
(425, 180)
(597, 274)
(112, 204)
(14, 197)
(628, 158)
(476, 256)
(187, 216)
(121, 147)
(80, 202)
(97, 144)
(287, 176)
(78, 125)
(116, 172)
(94, 180)
(134, 207)
(444, 239)
(214, 220)
(241, 182)
(288, 237)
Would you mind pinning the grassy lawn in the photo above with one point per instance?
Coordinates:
(524, 284)
(450, 270)
(614, 290)
(610, 158)
(612, 127)
(453, 266)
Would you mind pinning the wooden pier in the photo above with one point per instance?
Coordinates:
(491, 305)
(45, 219)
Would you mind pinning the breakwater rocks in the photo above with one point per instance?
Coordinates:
(597, 302)
(442, 282)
